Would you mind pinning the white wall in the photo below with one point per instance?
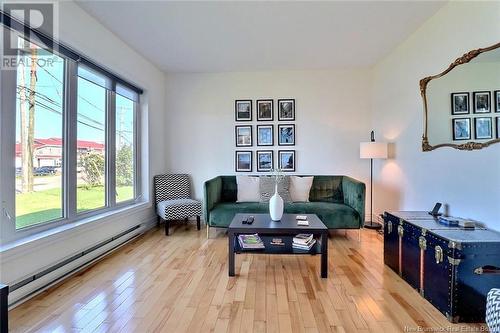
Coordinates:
(469, 182)
(83, 33)
(332, 117)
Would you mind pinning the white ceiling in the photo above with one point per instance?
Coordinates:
(248, 36)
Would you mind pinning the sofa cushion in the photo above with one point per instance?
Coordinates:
(229, 191)
(327, 189)
(248, 188)
(300, 188)
(222, 214)
(333, 215)
(267, 187)
(178, 209)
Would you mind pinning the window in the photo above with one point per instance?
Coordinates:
(91, 146)
(74, 137)
(125, 150)
(39, 142)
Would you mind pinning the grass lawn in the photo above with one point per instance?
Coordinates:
(37, 207)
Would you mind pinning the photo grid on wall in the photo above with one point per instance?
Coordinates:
(274, 126)
(474, 118)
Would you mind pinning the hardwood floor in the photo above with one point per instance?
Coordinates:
(180, 283)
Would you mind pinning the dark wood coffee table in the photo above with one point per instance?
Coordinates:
(285, 230)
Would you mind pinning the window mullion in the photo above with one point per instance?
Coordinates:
(70, 139)
(111, 149)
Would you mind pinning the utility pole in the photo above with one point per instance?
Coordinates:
(120, 110)
(31, 116)
(23, 130)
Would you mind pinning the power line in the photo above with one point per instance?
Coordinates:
(51, 109)
(79, 96)
(44, 97)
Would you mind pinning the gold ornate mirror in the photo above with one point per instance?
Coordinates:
(462, 103)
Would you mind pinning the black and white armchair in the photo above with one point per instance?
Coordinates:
(493, 310)
(173, 199)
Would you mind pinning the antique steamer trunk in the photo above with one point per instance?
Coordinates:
(452, 268)
(468, 263)
(396, 227)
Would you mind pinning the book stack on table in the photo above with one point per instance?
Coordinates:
(250, 241)
(303, 241)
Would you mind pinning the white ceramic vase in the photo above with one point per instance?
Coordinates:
(276, 205)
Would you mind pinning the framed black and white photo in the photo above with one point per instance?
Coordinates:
(265, 110)
(264, 160)
(243, 136)
(461, 129)
(286, 109)
(265, 135)
(460, 103)
(483, 128)
(497, 100)
(286, 160)
(243, 161)
(286, 135)
(482, 101)
(243, 110)
(498, 127)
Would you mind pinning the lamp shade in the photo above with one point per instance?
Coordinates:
(373, 150)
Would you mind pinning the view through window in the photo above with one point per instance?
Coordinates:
(125, 168)
(55, 94)
(39, 139)
(91, 146)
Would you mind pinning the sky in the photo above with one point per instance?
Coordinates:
(91, 106)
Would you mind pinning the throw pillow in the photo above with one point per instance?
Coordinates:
(300, 188)
(267, 188)
(248, 189)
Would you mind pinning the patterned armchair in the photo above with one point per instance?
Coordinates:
(493, 310)
(173, 199)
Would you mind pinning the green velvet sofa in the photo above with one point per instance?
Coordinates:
(339, 201)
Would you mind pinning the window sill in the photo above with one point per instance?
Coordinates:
(82, 225)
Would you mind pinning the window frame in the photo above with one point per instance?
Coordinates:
(8, 83)
(9, 140)
(107, 162)
(135, 157)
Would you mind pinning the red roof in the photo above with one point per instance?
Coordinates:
(57, 142)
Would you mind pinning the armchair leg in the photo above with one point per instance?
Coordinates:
(198, 226)
(158, 220)
(208, 230)
(359, 235)
(166, 227)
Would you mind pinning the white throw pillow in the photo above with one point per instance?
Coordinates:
(300, 188)
(248, 189)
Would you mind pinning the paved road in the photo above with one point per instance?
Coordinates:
(46, 182)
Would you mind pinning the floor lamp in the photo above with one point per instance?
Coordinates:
(372, 150)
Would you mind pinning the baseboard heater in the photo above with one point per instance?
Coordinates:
(79, 255)
(4, 309)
